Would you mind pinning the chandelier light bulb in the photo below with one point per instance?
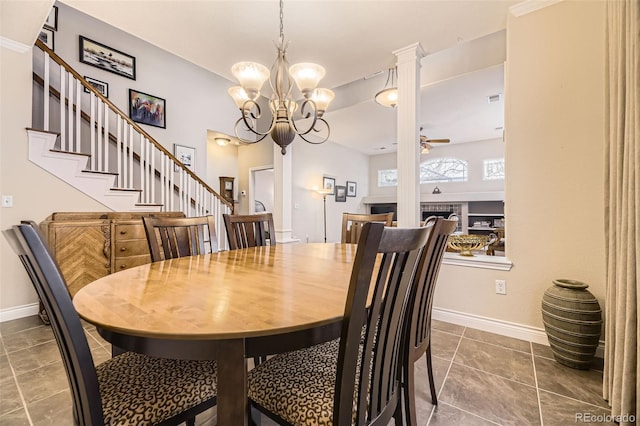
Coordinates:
(251, 76)
(238, 95)
(322, 97)
(307, 76)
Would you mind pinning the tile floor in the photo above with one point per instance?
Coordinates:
(481, 378)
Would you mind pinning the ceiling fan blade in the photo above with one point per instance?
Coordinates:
(438, 140)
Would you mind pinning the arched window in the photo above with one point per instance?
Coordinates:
(443, 170)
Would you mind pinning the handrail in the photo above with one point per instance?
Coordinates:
(117, 110)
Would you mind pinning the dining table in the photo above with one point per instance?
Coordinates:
(228, 306)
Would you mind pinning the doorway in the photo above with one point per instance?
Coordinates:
(261, 189)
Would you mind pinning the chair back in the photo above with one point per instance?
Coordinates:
(249, 230)
(48, 282)
(171, 237)
(418, 317)
(352, 224)
(385, 262)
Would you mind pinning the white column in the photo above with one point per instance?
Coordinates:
(282, 193)
(408, 157)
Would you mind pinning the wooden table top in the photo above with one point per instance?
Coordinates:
(233, 294)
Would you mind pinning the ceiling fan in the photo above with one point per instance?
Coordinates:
(425, 143)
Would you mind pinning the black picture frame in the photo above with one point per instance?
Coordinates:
(352, 188)
(100, 86)
(106, 58)
(341, 193)
(147, 109)
(47, 37)
(52, 20)
(329, 183)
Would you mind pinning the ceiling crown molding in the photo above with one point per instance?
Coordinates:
(529, 6)
(14, 45)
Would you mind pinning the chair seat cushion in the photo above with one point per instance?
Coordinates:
(138, 389)
(298, 386)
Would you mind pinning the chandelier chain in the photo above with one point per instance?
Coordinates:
(281, 20)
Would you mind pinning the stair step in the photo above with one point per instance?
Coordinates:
(70, 152)
(126, 189)
(44, 131)
(97, 172)
(149, 204)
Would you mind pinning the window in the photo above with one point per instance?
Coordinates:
(388, 177)
(493, 169)
(443, 170)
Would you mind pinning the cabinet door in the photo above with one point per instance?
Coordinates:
(82, 249)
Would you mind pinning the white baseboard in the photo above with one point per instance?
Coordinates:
(503, 328)
(19, 312)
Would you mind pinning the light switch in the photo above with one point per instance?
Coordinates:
(7, 201)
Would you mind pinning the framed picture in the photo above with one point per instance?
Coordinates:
(100, 86)
(46, 36)
(341, 193)
(52, 20)
(147, 109)
(329, 183)
(351, 189)
(186, 155)
(106, 58)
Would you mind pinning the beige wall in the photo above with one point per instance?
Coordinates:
(554, 123)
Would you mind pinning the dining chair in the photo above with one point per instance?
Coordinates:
(171, 237)
(129, 389)
(249, 230)
(417, 334)
(352, 224)
(354, 379)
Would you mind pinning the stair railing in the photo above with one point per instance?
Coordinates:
(159, 176)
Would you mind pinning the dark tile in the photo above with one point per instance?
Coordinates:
(496, 339)
(92, 335)
(34, 357)
(52, 411)
(448, 327)
(491, 397)
(542, 350)
(559, 410)
(499, 360)
(2, 348)
(15, 418)
(100, 354)
(422, 391)
(21, 324)
(208, 418)
(443, 345)
(6, 373)
(10, 397)
(30, 337)
(583, 385)
(43, 382)
(446, 415)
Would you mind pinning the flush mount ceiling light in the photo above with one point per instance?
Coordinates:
(222, 141)
(283, 128)
(388, 96)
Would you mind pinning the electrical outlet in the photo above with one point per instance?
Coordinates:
(501, 287)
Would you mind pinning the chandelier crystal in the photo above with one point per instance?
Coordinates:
(283, 128)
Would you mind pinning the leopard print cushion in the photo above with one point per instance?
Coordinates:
(298, 386)
(142, 390)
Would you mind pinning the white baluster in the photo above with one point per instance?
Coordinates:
(64, 143)
(45, 93)
(119, 149)
(78, 145)
(142, 160)
(92, 125)
(99, 135)
(70, 113)
(106, 137)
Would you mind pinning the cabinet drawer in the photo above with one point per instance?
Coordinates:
(131, 248)
(122, 263)
(129, 232)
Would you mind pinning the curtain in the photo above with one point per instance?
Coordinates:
(622, 208)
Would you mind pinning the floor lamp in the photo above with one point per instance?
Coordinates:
(324, 192)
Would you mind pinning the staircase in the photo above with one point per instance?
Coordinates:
(85, 140)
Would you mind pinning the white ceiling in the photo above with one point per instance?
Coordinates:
(351, 39)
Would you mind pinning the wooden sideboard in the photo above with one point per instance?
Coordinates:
(88, 246)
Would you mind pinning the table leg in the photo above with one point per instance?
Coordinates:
(232, 383)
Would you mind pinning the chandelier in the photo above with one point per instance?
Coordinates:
(388, 96)
(283, 128)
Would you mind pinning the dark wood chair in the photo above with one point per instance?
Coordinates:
(129, 389)
(417, 335)
(352, 224)
(354, 379)
(249, 230)
(171, 237)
